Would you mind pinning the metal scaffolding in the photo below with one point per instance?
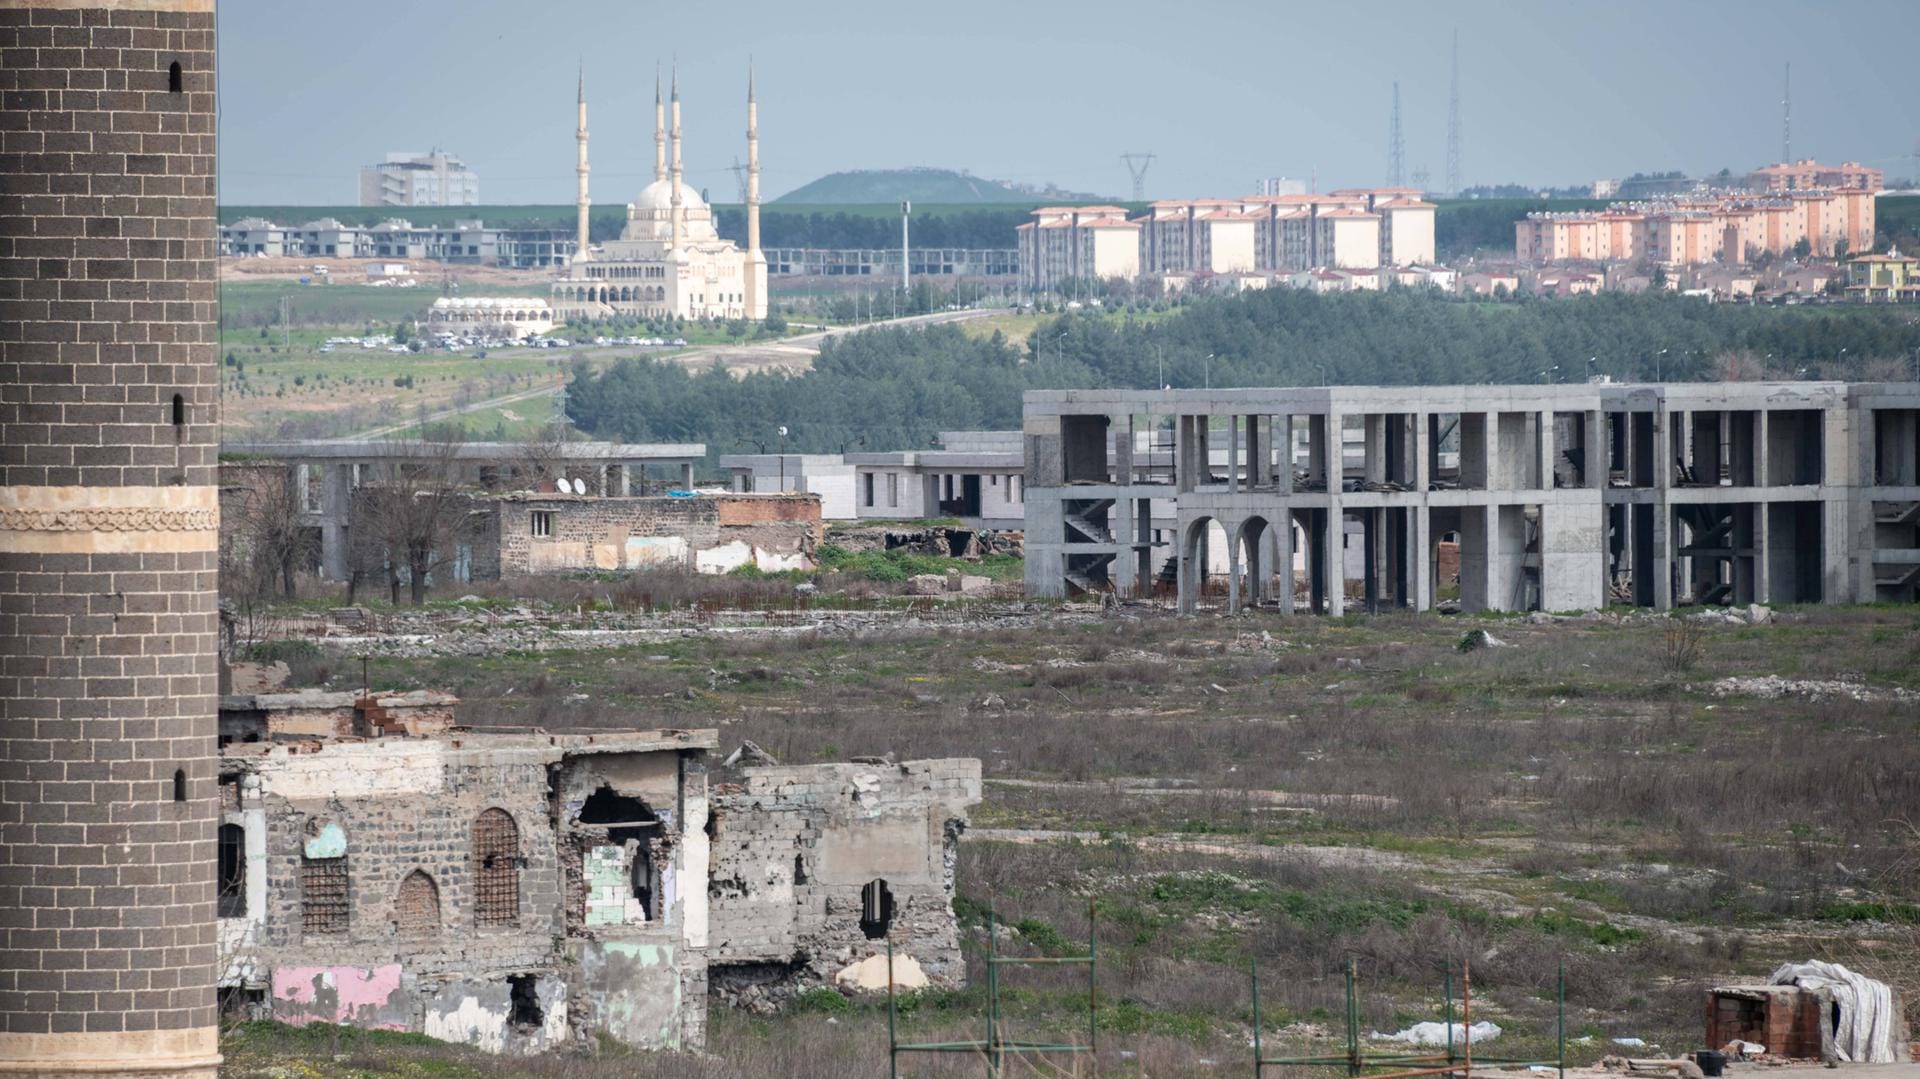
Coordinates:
(996, 1048)
(1407, 1065)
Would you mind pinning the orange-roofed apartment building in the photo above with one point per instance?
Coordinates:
(1065, 244)
(1730, 227)
(1811, 175)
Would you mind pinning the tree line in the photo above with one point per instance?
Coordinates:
(893, 388)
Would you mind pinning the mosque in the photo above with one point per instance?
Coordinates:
(669, 260)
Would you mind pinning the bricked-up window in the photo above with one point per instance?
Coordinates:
(876, 909)
(542, 522)
(233, 871)
(496, 869)
(416, 909)
(323, 895)
(173, 78)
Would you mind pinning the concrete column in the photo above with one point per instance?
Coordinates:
(1544, 450)
(1336, 559)
(1593, 445)
(1420, 567)
(1233, 454)
(1234, 574)
(1283, 455)
(1424, 452)
(1122, 433)
(1762, 569)
(1125, 579)
(1374, 438)
(1336, 453)
(1283, 557)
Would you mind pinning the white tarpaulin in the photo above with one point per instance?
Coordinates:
(1436, 1033)
(1863, 1033)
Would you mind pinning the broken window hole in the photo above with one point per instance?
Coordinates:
(523, 991)
(607, 806)
(876, 909)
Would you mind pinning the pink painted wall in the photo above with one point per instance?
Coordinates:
(354, 996)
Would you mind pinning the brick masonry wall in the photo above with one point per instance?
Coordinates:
(107, 533)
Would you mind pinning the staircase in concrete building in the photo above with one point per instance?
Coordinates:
(1086, 520)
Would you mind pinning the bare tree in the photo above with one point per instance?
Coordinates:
(413, 522)
(267, 541)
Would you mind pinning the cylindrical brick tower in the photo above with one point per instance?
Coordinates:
(108, 538)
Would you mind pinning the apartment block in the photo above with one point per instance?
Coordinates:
(1555, 497)
(415, 179)
(1730, 227)
(1064, 244)
(1809, 174)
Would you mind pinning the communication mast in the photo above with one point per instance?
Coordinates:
(1453, 121)
(1396, 148)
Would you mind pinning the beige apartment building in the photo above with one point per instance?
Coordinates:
(1732, 227)
(1354, 228)
(1064, 244)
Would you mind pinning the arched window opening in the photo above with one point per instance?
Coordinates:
(179, 784)
(799, 869)
(496, 869)
(876, 909)
(173, 78)
(416, 910)
(233, 871)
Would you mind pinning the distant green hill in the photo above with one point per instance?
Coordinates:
(921, 185)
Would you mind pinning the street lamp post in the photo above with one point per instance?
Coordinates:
(783, 458)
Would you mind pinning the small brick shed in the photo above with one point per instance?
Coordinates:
(1789, 1020)
(1785, 1018)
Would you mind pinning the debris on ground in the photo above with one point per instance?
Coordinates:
(1475, 639)
(1772, 687)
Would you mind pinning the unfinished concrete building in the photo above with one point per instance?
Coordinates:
(1559, 497)
(381, 867)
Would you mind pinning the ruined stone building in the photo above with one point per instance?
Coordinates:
(108, 531)
(516, 535)
(381, 867)
(321, 477)
(1558, 497)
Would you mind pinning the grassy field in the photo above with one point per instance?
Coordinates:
(1305, 792)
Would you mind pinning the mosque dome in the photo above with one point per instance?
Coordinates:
(658, 195)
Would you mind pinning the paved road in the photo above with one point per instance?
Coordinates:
(788, 353)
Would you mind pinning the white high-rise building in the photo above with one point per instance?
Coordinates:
(415, 179)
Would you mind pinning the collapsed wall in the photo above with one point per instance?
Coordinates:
(816, 868)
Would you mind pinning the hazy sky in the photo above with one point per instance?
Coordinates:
(1051, 90)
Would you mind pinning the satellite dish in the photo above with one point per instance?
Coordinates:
(579, 487)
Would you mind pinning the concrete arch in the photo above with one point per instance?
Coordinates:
(1197, 540)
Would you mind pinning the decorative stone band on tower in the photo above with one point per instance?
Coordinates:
(108, 530)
